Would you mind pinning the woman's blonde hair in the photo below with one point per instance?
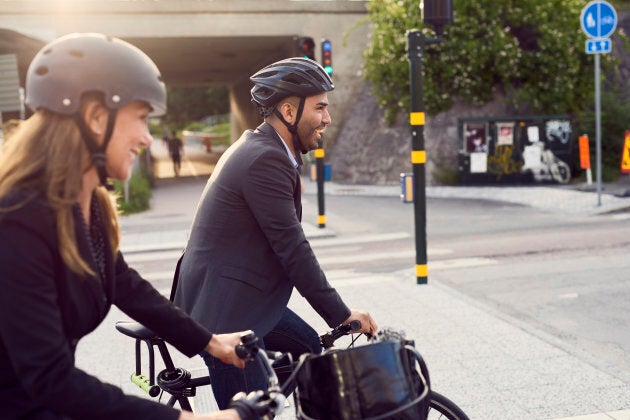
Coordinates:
(48, 155)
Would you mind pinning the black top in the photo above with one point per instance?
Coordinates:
(45, 309)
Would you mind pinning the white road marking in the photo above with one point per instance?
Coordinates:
(457, 263)
(359, 239)
(152, 256)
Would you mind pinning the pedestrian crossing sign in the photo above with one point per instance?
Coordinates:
(625, 154)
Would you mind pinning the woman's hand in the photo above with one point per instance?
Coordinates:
(222, 347)
(367, 323)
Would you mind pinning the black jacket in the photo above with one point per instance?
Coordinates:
(45, 309)
(247, 250)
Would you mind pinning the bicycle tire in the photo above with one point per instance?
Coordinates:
(441, 407)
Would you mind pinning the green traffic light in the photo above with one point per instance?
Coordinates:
(328, 69)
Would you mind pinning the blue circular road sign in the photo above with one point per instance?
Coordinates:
(599, 19)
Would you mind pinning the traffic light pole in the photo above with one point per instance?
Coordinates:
(416, 42)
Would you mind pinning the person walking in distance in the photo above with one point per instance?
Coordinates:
(247, 250)
(175, 148)
(60, 264)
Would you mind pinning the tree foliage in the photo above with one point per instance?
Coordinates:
(188, 104)
(531, 51)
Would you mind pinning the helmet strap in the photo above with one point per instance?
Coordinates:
(297, 144)
(98, 154)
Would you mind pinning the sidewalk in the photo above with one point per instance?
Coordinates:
(493, 366)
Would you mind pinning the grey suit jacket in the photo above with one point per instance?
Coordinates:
(247, 250)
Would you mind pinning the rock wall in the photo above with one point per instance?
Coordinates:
(367, 151)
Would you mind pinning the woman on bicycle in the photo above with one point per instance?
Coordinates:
(60, 264)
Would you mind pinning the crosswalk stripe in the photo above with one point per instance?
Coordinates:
(351, 277)
(366, 257)
(153, 256)
(460, 263)
(359, 239)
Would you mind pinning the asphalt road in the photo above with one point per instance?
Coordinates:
(566, 275)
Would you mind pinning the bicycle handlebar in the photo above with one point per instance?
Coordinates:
(328, 340)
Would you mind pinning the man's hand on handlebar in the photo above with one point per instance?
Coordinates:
(248, 406)
(368, 325)
(222, 346)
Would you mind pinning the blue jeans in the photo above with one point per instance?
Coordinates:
(291, 334)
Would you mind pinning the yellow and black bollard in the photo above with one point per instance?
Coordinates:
(319, 164)
(416, 43)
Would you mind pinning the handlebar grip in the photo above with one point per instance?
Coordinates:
(248, 347)
(355, 325)
(144, 384)
(241, 352)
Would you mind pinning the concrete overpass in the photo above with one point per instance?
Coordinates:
(203, 42)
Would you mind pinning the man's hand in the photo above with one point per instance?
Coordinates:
(222, 347)
(247, 405)
(367, 323)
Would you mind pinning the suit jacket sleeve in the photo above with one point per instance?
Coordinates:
(269, 183)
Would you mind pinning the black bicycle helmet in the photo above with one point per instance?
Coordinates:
(295, 76)
(75, 64)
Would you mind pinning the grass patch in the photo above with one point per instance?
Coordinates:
(139, 193)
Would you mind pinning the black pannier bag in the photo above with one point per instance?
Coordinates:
(375, 381)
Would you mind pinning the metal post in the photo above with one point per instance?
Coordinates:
(598, 132)
(319, 163)
(416, 43)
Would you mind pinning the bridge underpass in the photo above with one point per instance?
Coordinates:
(199, 43)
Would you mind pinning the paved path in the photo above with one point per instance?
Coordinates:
(494, 366)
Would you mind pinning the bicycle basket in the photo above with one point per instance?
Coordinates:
(375, 381)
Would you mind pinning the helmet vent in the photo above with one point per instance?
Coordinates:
(314, 74)
(76, 53)
(293, 80)
(41, 70)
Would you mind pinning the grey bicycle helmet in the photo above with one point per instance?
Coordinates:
(74, 64)
(295, 76)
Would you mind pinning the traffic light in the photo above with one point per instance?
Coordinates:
(438, 13)
(327, 56)
(306, 47)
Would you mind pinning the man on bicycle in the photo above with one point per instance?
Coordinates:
(247, 249)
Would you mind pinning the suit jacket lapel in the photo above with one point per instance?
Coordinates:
(297, 191)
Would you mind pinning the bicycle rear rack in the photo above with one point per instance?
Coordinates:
(175, 381)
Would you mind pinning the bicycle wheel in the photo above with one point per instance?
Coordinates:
(441, 407)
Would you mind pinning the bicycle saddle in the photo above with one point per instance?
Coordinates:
(136, 330)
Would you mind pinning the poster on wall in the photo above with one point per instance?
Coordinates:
(475, 138)
(478, 163)
(505, 134)
(533, 133)
(558, 131)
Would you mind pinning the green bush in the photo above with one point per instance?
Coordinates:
(139, 193)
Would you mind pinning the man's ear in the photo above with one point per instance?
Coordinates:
(288, 111)
(95, 116)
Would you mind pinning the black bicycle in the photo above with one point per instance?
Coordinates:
(179, 384)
